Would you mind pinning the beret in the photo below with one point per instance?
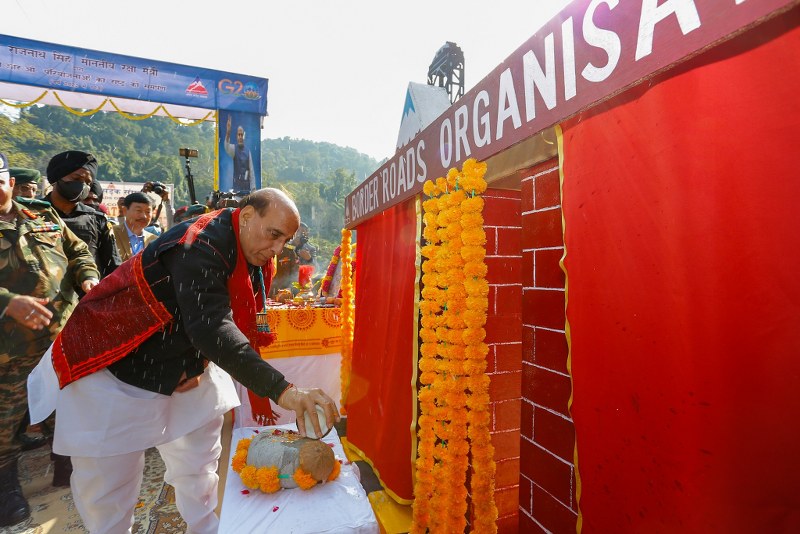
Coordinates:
(24, 176)
(68, 162)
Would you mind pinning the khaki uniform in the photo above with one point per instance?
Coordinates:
(39, 257)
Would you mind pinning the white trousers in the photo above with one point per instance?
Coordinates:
(106, 489)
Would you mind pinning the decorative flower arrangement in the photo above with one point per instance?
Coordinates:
(348, 316)
(454, 392)
(268, 479)
(328, 278)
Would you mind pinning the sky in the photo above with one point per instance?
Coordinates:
(338, 70)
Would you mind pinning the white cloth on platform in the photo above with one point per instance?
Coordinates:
(99, 415)
(336, 507)
(106, 489)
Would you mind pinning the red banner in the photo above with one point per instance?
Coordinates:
(590, 51)
(380, 402)
(682, 257)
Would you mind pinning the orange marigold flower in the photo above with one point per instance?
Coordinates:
(429, 251)
(473, 205)
(474, 335)
(243, 443)
(239, 460)
(455, 336)
(452, 177)
(476, 352)
(474, 237)
(456, 352)
(454, 230)
(425, 395)
(303, 479)
(475, 269)
(267, 478)
(474, 319)
(427, 364)
(474, 367)
(454, 322)
(441, 185)
(456, 198)
(427, 335)
(430, 205)
(471, 219)
(248, 475)
(429, 219)
(430, 279)
(455, 276)
(427, 377)
(428, 350)
(480, 304)
(473, 253)
(429, 188)
(452, 214)
(477, 288)
(431, 235)
(337, 468)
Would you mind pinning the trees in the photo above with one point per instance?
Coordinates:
(317, 175)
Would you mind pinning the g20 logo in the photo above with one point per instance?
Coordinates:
(237, 89)
(233, 87)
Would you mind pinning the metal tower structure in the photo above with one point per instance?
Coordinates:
(447, 70)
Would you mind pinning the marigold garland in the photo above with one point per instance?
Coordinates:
(454, 398)
(348, 317)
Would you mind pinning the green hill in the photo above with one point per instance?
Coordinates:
(317, 175)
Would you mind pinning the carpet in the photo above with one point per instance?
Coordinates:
(53, 510)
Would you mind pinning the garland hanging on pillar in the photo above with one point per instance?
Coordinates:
(453, 397)
(348, 316)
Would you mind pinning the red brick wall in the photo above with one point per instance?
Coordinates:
(547, 501)
(503, 334)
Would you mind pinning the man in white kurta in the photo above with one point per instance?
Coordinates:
(177, 318)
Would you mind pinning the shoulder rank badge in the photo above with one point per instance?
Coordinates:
(29, 214)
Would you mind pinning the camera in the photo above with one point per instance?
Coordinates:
(230, 199)
(159, 188)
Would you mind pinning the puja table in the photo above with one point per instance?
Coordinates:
(340, 506)
(308, 353)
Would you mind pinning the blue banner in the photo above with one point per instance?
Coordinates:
(239, 152)
(68, 68)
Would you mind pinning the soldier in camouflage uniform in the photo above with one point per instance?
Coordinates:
(41, 261)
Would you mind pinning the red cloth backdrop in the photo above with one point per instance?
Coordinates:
(681, 204)
(380, 405)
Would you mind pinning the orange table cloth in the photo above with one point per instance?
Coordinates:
(303, 331)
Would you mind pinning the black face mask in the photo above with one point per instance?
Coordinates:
(72, 191)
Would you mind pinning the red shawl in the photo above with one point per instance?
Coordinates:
(124, 303)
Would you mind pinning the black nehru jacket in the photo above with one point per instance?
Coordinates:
(93, 228)
(191, 282)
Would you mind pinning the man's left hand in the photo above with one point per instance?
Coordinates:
(186, 384)
(87, 285)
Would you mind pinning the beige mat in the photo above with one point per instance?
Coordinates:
(53, 511)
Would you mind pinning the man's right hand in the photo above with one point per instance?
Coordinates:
(29, 311)
(305, 400)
